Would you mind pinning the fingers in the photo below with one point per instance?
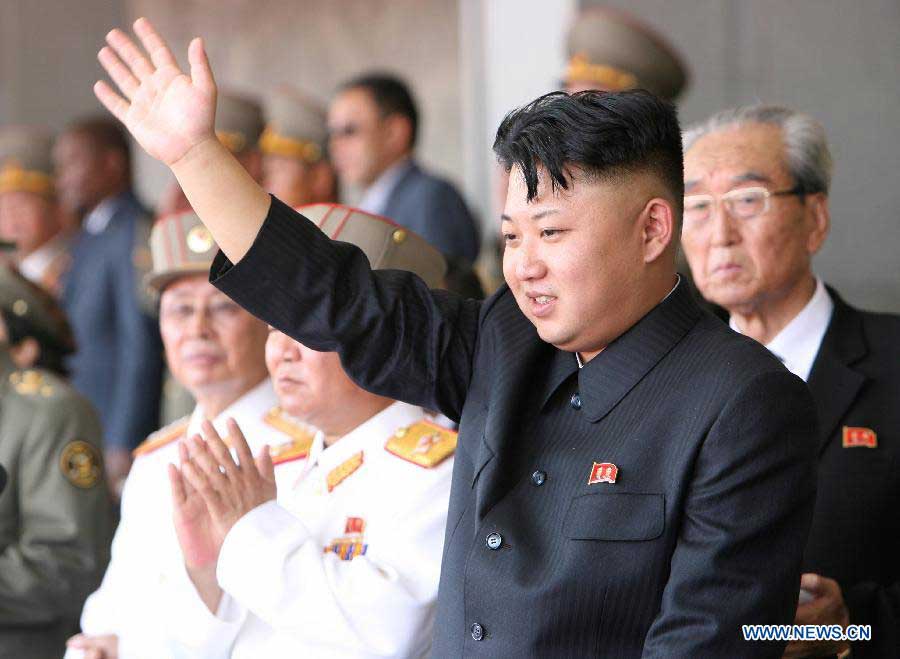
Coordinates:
(154, 44)
(199, 481)
(220, 452)
(184, 457)
(120, 73)
(811, 582)
(245, 456)
(201, 71)
(129, 53)
(117, 105)
(264, 464)
(176, 482)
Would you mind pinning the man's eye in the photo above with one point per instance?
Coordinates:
(509, 237)
(550, 233)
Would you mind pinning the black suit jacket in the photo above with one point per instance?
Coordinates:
(434, 209)
(702, 530)
(855, 536)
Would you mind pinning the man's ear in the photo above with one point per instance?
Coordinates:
(819, 217)
(399, 132)
(26, 352)
(657, 222)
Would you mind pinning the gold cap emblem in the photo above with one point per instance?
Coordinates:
(399, 236)
(199, 240)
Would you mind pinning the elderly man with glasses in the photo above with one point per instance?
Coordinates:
(755, 213)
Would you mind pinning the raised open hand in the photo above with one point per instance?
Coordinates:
(167, 111)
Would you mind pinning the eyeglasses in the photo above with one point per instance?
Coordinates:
(743, 203)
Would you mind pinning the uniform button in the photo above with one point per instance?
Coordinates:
(477, 632)
(494, 540)
(575, 401)
(538, 478)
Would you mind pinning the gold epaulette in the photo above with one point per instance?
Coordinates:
(163, 436)
(340, 473)
(423, 443)
(301, 436)
(31, 383)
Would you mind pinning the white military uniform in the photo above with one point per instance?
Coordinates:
(146, 571)
(345, 565)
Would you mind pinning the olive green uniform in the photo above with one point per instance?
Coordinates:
(55, 518)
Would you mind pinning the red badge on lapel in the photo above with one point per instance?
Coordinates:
(603, 472)
(854, 437)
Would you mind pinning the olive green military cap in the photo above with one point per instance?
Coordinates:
(239, 121)
(26, 163)
(615, 51)
(28, 301)
(296, 127)
(179, 245)
(387, 245)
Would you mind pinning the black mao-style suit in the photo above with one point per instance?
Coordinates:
(855, 535)
(702, 530)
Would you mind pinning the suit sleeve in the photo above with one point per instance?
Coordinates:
(873, 604)
(138, 375)
(747, 514)
(64, 528)
(395, 337)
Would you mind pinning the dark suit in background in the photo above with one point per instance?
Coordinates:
(435, 210)
(118, 362)
(855, 536)
(702, 529)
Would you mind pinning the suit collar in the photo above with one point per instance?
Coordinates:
(833, 380)
(607, 378)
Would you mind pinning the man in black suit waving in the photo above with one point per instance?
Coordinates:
(756, 212)
(633, 479)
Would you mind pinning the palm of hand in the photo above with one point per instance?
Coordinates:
(169, 114)
(199, 537)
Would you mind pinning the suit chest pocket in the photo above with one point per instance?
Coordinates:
(616, 517)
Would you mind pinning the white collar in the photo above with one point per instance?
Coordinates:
(98, 219)
(249, 407)
(797, 344)
(375, 198)
(372, 433)
(35, 264)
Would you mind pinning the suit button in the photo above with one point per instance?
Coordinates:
(538, 478)
(477, 632)
(575, 401)
(494, 540)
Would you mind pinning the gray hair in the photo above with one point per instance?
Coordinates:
(806, 152)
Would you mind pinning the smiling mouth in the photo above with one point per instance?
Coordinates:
(541, 305)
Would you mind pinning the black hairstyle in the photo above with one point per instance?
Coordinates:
(105, 133)
(391, 96)
(599, 135)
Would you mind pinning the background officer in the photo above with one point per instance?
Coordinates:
(55, 517)
(294, 163)
(30, 215)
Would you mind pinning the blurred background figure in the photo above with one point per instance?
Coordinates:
(756, 212)
(295, 166)
(30, 215)
(239, 124)
(612, 50)
(55, 517)
(118, 364)
(217, 351)
(373, 124)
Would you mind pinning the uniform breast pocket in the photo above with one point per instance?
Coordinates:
(616, 517)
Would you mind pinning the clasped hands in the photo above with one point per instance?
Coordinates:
(211, 491)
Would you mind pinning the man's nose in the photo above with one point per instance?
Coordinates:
(529, 264)
(724, 226)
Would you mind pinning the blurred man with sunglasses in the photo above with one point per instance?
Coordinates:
(755, 213)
